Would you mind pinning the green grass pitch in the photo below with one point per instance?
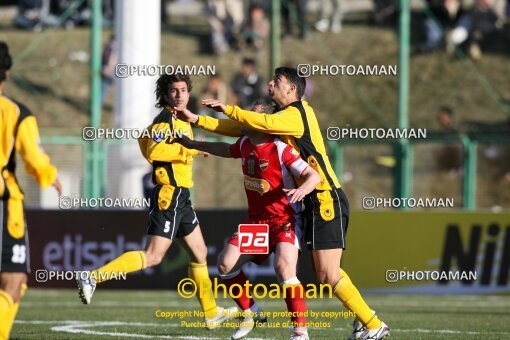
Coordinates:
(123, 314)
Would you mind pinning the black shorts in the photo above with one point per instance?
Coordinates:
(14, 254)
(171, 214)
(326, 218)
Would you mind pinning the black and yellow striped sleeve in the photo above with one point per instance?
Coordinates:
(286, 122)
(226, 127)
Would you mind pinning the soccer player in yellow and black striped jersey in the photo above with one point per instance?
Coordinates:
(326, 208)
(171, 216)
(18, 134)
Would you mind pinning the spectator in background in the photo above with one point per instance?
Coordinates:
(445, 120)
(473, 25)
(35, 14)
(30, 13)
(449, 157)
(331, 16)
(256, 30)
(436, 20)
(215, 88)
(108, 62)
(247, 85)
(385, 12)
(109, 12)
(82, 14)
(225, 18)
(164, 15)
(299, 9)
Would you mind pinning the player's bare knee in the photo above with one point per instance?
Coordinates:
(328, 277)
(284, 269)
(224, 267)
(153, 258)
(199, 254)
(322, 277)
(202, 254)
(13, 288)
(24, 279)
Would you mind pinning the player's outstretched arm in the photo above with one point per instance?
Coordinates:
(312, 179)
(226, 127)
(285, 122)
(37, 162)
(213, 148)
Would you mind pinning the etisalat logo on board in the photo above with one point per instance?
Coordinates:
(74, 254)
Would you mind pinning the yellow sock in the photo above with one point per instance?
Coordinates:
(5, 302)
(125, 263)
(346, 292)
(7, 319)
(198, 272)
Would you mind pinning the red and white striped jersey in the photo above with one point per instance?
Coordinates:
(268, 168)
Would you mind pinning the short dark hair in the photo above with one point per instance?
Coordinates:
(164, 82)
(5, 61)
(446, 109)
(249, 61)
(264, 106)
(293, 78)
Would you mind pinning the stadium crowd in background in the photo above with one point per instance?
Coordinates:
(37, 14)
(456, 22)
(238, 25)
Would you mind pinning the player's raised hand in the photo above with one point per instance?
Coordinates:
(214, 104)
(295, 195)
(185, 115)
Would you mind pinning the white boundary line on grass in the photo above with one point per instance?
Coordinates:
(74, 326)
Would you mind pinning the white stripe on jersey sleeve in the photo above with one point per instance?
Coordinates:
(298, 167)
(288, 179)
(243, 139)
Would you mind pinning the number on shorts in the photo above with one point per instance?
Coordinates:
(167, 227)
(19, 254)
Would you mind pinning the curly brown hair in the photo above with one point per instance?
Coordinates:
(5, 60)
(164, 82)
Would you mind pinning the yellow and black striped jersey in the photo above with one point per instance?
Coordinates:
(19, 133)
(296, 124)
(171, 162)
